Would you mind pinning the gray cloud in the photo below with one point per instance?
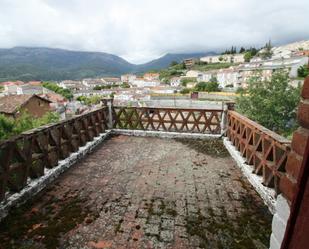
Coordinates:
(140, 30)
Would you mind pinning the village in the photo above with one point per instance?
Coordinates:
(152, 88)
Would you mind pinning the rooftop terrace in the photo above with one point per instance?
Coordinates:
(145, 192)
(143, 177)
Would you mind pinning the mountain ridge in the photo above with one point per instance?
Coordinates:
(43, 63)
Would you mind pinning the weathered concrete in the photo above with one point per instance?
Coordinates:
(136, 192)
(164, 134)
(279, 222)
(267, 194)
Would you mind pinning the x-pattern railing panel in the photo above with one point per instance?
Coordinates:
(265, 150)
(168, 119)
(26, 156)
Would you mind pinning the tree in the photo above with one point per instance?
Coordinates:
(185, 81)
(173, 63)
(248, 56)
(185, 91)
(267, 53)
(242, 50)
(212, 87)
(92, 100)
(272, 103)
(10, 127)
(200, 87)
(303, 71)
(57, 89)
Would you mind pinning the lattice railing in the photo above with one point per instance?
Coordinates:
(262, 148)
(26, 156)
(167, 119)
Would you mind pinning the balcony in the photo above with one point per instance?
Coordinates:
(155, 178)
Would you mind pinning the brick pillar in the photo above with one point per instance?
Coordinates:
(288, 185)
(290, 223)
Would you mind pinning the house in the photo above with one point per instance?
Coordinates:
(31, 89)
(192, 74)
(35, 83)
(111, 81)
(58, 103)
(128, 78)
(55, 99)
(72, 85)
(141, 82)
(175, 81)
(91, 83)
(151, 76)
(162, 90)
(206, 76)
(10, 87)
(191, 84)
(228, 77)
(190, 62)
(14, 105)
(237, 58)
(224, 58)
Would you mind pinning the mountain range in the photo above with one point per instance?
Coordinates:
(39, 63)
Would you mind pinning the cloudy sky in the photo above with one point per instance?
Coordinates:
(141, 30)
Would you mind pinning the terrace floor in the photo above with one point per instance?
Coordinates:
(135, 192)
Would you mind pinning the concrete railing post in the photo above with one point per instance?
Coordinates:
(110, 113)
(224, 122)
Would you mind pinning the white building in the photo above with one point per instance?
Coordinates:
(228, 77)
(175, 81)
(139, 82)
(129, 78)
(192, 74)
(151, 76)
(206, 76)
(225, 58)
(111, 81)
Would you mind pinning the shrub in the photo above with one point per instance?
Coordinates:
(57, 89)
(272, 103)
(10, 127)
(303, 71)
(185, 91)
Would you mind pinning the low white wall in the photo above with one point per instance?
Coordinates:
(278, 206)
(279, 222)
(268, 195)
(164, 134)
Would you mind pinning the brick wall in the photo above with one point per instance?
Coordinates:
(290, 226)
(288, 184)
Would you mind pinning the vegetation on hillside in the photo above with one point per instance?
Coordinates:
(93, 100)
(174, 70)
(10, 127)
(211, 86)
(212, 66)
(102, 87)
(185, 81)
(272, 103)
(57, 89)
(266, 52)
(303, 71)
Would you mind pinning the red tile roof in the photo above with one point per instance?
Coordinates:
(11, 103)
